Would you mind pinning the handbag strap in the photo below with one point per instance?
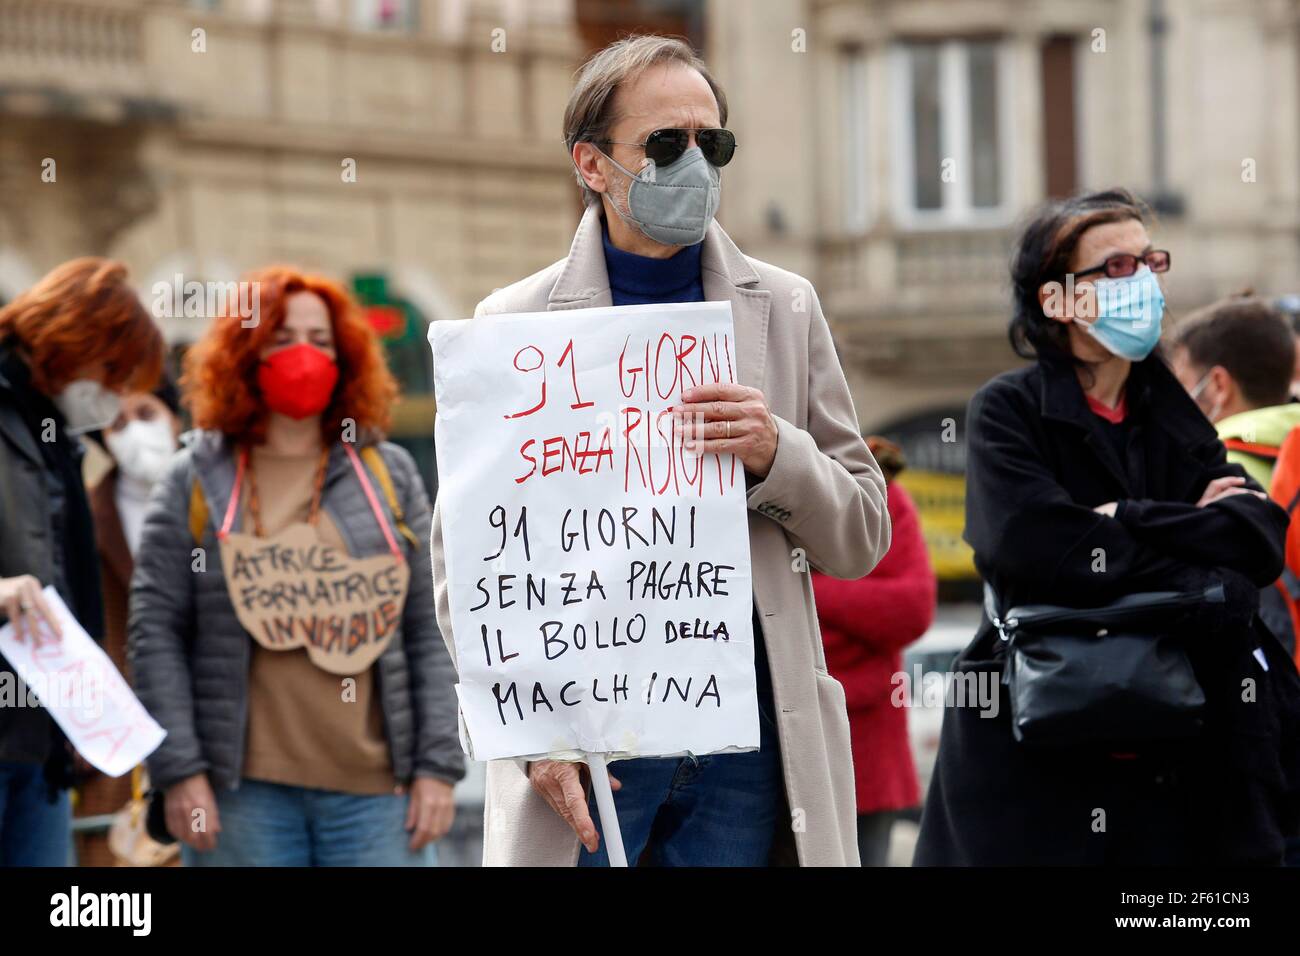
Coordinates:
(991, 611)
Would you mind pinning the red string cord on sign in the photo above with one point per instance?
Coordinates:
(369, 490)
(234, 495)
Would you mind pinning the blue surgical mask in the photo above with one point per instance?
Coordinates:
(1129, 313)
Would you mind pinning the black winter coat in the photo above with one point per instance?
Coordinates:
(1038, 462)
(45, 531)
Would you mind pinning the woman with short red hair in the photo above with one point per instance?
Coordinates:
(282, 623)
(69, 346)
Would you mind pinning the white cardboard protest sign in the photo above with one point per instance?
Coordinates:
(598, 571)
(82, 690)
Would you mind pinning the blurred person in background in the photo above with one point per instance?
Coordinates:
(1092, 475)
(1289, 306)
(1236, 358)
(69, 347)
(647, 104)
(141, 442)
(865, 625)
(291, 764)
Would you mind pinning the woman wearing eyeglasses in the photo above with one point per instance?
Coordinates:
(1091, 475)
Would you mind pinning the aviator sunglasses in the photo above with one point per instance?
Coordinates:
(665, 146)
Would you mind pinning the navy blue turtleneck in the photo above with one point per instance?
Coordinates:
(641, 280)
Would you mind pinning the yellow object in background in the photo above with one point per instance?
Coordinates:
(941, 504)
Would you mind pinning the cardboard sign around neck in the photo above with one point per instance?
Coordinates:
(292, 590)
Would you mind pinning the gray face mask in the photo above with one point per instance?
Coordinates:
(674, 204)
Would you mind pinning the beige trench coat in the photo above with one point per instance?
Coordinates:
(824, 496)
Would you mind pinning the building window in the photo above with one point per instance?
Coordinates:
(384, 14)
(856, 171)
(926, 166)
(1060, 92)
(952, 148)
(453, 18)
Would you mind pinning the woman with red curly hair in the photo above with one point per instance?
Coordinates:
(69, 346)
(282, 623)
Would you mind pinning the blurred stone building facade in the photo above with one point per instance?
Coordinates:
(850, 112)
(411, 147)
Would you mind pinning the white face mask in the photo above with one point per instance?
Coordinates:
(1198, 388)
(143, 449)
(86, 405)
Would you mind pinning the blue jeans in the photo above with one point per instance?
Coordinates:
(271, 824)
(34, 831)
(716, 810)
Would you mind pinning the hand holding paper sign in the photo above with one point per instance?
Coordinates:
(82, 690)
(601, 603)
(21, 599)
(729, 419)
(598, 569)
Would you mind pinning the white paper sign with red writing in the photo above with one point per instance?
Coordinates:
(82, 690)
(598, 570)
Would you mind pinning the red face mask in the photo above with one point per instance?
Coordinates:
(297, 381)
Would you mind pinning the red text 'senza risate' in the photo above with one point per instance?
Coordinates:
(645, 440)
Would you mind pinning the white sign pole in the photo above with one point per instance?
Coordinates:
(605, 804)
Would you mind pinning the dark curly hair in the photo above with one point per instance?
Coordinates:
(1043, 253)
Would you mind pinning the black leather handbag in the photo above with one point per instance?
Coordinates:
(1115, 675)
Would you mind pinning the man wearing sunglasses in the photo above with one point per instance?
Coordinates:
(646, 132)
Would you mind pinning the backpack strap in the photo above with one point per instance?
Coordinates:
(375, 462)
(369, 454)
(1285, 487)
(198, 512)
(1267, 452)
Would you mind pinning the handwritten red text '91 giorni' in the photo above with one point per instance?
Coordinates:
(647, 435)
